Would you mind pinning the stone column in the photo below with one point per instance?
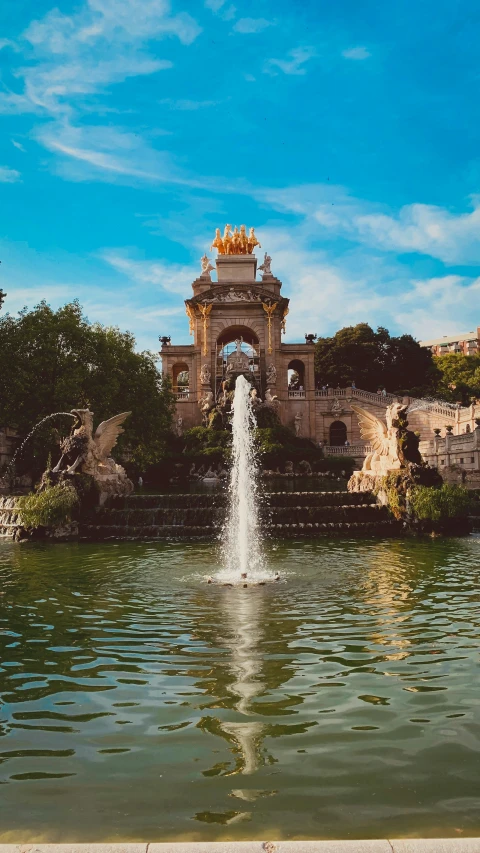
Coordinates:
(476, 452)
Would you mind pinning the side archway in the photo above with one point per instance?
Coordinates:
(338, 433)
(180, 377)
(296, 375)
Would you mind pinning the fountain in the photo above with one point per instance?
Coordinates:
(242, 554)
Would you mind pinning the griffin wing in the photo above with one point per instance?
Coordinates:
(107, 433)
(372, 429)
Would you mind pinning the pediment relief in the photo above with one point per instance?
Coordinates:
(233, 293)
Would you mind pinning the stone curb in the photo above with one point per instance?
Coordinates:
(407, 845)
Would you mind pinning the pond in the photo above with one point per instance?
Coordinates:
(140, 703)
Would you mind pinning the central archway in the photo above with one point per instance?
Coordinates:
(226, 345)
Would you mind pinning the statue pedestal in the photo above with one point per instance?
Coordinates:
(236, 268)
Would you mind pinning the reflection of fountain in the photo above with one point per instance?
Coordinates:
(242, 552)
(245, 612)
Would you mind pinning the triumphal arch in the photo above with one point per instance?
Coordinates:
(237, 320)
(237, 323)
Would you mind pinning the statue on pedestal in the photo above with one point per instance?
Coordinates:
(271, 374)
(265, 267)
(206, 268)
(205, 375)
(298, 423)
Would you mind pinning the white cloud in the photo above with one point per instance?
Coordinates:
(7, 43)
(173, 278)
(251, 25)
(8, 176)
(421, 228)
(17, 145)
(214, 5)
(333, 292)
(109, 153)
(294, 65)
(356, 53)
(102, 44)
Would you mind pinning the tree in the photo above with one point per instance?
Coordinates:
(459, 377)
(373, 359)
(53, 361)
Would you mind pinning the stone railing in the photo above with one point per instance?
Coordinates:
(182, 395)
(296, 395)
(360, 450)
(462, 450)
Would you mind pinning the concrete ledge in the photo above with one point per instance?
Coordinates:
(409, 845)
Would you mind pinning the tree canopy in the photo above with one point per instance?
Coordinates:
(374, 359)
(459, 377)
(54, 361)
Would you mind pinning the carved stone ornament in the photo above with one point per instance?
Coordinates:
(205, 374)
(336, 408)
(271, 374)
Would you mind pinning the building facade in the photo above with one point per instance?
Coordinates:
(465, 343)
(240, 317)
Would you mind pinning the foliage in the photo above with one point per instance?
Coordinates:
(459, 377)
(203, 441)
(57, 361)
(395, 491)
(374, 359)
(438, 505)
(50, 508)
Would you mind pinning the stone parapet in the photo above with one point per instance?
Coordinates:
(381, 845)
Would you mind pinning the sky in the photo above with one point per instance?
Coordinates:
(347, 133)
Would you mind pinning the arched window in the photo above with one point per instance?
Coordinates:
(296, 375)
(180, 377)
(338, 433)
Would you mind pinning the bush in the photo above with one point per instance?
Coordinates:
(441, 504)
(50, 508)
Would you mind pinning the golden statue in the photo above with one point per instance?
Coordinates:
(205, 312)
(218, 243)
(243, 240)
(238, 243)
(227, 240)
(235, 248)
(269, 310)
(252, 241)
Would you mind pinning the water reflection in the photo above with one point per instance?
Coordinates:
(346, 694)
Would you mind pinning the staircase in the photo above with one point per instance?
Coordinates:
(200, 516)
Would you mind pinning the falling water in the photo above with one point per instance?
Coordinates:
(11, 465)
(242, 553)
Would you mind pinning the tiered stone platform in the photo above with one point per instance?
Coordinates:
(200, 516)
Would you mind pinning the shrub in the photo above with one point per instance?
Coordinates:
(50, 508)
(440, 504)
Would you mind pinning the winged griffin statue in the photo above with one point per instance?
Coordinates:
(393, 445)
(90, 453)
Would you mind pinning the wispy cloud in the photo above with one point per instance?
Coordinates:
(9, 176)
(173, 278)
(356, 53)
(18, 145)
(453, 238)
(336, 291)
(184, 104)
(102, 44)
(251, 25)
(294, 64)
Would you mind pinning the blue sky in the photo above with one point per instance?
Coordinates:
(346, 132)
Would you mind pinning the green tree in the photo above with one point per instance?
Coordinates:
(459, 377)
(54, 361)
(373, 359)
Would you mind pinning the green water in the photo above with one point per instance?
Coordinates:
(139, 702)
